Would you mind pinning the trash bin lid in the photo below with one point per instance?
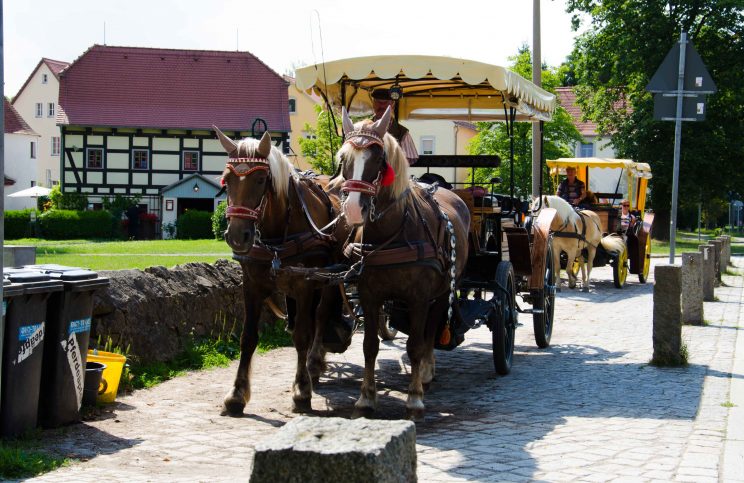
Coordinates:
(11, 289)
(76, 274)
(33, 281)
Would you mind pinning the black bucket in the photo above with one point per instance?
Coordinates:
(93, 380)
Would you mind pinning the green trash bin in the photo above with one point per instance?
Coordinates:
(25, 327)
(69, 315)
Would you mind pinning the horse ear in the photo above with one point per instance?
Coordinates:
(348, 125)
(227, 143)
(381, 126)
(264, 147)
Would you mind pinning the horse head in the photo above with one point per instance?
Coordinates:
(247, 182)
(372, 165)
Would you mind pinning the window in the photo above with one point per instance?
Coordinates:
(140, 159)
(190, 161)
(44, 78)
(586, 150)
(33, 183)
(94, 158)
(50, 109)
(427, 144)
(48, 178)
(55, 145)
(39, 109)
(33, 149)
(292, 105)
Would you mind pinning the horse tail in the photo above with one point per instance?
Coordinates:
(613, 244)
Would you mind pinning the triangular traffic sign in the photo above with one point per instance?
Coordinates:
(697, 77)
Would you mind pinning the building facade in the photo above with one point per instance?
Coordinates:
(442, 138)
(593, 144)
(21, 158)
(37, 102)
(137, 121)
(302, 111)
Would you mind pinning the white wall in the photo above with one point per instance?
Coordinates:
(44, 126)
(20, 167)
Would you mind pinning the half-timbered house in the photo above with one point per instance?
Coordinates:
(137, 121)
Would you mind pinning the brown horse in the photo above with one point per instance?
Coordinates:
(401, 240)
(275, 219)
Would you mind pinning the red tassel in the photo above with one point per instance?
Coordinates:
(388, 176)
(444, 339)
(222, 181)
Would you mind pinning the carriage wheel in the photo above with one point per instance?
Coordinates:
(544, 300)
(620, 268)
(643, 275)
(503, 321)
(385, 330)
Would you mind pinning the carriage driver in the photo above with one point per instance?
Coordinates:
(626, 217)
(572, 189)
(380, 101)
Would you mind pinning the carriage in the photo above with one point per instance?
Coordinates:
(610, 180)
(508, 250)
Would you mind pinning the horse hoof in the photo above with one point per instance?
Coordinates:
(233, 406)
(301, 406)
(415, 414)
(363, 412)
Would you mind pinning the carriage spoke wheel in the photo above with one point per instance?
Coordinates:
(544, 304)
(620, 268)
(503, 320)
(643, 275)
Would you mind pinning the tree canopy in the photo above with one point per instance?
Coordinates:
(558, 135)
(613, 61)
(323, 142)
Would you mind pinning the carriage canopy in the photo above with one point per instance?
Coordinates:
(432, 88)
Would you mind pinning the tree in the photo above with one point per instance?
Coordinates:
(558, 135)
(614, 60)
(323, 142)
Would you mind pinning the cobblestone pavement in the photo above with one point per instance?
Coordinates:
(589, 408)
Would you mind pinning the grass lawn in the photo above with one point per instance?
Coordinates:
(117, 255)
(688, 242)
(23, 458)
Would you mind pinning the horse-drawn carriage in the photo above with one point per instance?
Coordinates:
(609, 181)
(437, 262)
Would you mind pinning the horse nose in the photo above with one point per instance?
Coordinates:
(239, 237)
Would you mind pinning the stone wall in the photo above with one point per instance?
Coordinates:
(156, 311)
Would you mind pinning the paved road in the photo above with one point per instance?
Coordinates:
(589, 408)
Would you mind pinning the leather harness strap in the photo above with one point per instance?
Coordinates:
(301, 245)
(390, 256)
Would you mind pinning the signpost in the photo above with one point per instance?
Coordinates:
(679, 87)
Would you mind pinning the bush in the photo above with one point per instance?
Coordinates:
(194, 224)
(219, 222)
(69, 224)
(18, 224)
(67, 201)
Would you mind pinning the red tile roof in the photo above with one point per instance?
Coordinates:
(567, 99)
(56, 66)
(169, 88)
(14, 123)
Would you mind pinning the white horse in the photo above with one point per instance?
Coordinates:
(572, 233)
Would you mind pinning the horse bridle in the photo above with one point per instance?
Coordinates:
(242, 167)
(363, 139)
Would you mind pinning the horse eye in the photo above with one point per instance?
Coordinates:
(261, 181)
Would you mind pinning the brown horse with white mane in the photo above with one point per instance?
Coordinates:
(278, 218)
(411, 247)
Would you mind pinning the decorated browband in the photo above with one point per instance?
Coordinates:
(245, 166)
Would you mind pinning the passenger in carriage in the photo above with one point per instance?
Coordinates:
(381, 99)
(572, 189)
(626, 217)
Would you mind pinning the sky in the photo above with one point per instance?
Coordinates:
(282, 33)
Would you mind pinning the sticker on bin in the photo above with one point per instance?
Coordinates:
(72, 349)
(31, 336)
(77, 326)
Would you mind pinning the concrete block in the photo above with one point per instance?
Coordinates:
(667, 331)
(18, 255)
(319, 450)
(717, 249)
(726, 251)
(692, 288)
(709, 272)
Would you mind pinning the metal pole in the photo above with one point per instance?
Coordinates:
(537, 80)
(677, 144)
(700, 215)
(2, 185)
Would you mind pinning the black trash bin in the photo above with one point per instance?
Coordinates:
(69, 315)
(10, 291)
(25, 327)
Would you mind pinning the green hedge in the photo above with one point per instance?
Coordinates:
(219, 222)
(194, 224)
(18, 224)
(68, 224)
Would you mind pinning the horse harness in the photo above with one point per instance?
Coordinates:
(275, 251)
(582, 236)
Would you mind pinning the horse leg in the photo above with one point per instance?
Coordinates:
(316, 363)
(417, 349)
(240, 394)
(557, 267)
(591, 250)
(367, 402)
(302, 336)
(570, 260)
(436, 311)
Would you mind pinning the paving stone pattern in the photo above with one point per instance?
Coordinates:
(589, 408)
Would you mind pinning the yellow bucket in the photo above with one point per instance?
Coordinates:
(111, 374)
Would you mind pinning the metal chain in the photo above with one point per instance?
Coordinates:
(453, 269)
